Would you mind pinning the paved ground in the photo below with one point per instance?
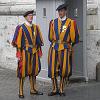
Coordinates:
(75, 91)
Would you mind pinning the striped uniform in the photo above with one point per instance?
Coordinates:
(29, 41)
(62, 35)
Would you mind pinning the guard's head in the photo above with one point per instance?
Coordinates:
(29, 16)
(62, 10)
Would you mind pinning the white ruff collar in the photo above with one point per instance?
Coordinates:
(62, 19)
(28, 24)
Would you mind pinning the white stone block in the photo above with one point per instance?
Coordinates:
(93, 52)
(21, 9)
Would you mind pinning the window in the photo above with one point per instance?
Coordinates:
(44, 12)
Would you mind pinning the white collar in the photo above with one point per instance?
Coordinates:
(64, 18)
(28, 24)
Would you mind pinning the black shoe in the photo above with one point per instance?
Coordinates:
(21, 96)
(53, 93)
(62, 94)
(36, 93)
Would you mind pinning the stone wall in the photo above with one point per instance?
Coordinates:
(93, 40)
(13, 7)
(7, 52)
(93, 52)
(10, 16)
(7, 29)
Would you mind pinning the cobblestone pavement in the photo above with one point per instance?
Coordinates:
(75, 91)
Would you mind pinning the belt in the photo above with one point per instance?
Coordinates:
(30, 46)
(62, 42)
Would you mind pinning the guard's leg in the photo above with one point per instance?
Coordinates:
(55, 87)
(61, 91)
(66, 81)
(21, 82)
(34, 83)
(33, 86)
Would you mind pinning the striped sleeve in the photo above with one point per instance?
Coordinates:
(39, 38)
(50, 35)
(15, 36)
(74, 33)
(19, 38)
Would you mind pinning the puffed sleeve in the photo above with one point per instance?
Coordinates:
(39, 38)
(17, 39)
(14, 41)
(50, 35)
(74, 33)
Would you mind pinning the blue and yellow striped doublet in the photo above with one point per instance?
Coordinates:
(29, 41)
(62, 35)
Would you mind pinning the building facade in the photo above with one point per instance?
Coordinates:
(93, 36)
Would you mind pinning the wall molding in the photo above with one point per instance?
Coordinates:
(16, 8)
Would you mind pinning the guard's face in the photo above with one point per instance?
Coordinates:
(62, 13)
(29, 18)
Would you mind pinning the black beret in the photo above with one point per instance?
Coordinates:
(63, 6)
(28, 12)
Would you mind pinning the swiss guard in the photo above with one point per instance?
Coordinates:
(63, 35)
(28, 41)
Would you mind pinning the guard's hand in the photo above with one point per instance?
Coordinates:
(18, 55)
(40, 52)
